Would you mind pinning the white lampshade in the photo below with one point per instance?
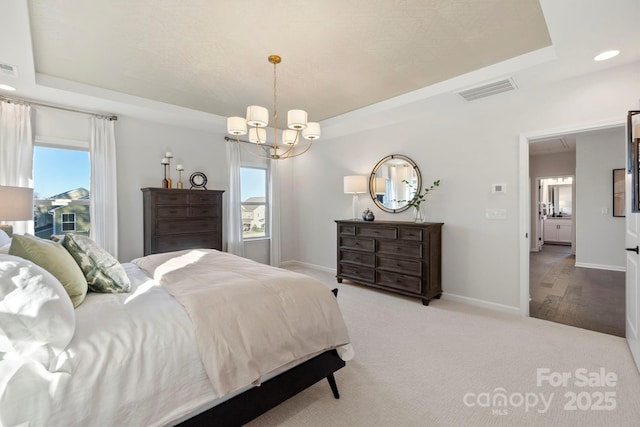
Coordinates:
(297, 119)
(16, 204)
(355, 184)
(290, 137)
(312, 131)
(257, 135)
(257, 116)
(236, 126)
(379, 185)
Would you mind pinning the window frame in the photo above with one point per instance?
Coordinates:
(63, 222)
(267, 207)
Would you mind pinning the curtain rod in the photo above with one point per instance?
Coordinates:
(57, 107)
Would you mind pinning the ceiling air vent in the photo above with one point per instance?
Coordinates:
(8, 70)
(488, 89)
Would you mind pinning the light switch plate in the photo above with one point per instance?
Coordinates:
(495, 213)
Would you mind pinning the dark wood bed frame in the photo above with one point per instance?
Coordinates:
(256, 401)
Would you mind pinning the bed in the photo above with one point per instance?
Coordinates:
(198, 337)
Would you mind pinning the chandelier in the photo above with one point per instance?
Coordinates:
(257, 120)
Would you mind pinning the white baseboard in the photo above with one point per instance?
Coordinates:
(600, 266)
(482, 303)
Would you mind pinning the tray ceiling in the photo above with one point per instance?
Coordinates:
(338, 56)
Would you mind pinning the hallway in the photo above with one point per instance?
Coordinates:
(583, 297)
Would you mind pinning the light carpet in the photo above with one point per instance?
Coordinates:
(452, 364)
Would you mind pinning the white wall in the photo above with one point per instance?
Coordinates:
(545, 166)
(599, 236)
(469, 146)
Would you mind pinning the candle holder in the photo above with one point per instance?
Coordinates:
(169, 156)
(179, 168)
(165, 162)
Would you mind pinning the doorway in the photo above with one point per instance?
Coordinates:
(553, 287)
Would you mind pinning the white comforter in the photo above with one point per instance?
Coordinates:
(249, 319)
(133, 361)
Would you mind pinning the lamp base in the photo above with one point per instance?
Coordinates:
(7, 229)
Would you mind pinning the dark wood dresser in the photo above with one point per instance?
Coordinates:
(400, 257)
(176, 219)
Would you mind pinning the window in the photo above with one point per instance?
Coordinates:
(61, 190)
(255, 210)
(68, 222)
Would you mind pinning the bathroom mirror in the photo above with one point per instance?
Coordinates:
(386, 186)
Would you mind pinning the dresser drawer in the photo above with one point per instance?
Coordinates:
(168, 198)
(368, 245)
(357, 273)
(202, 198)
(399, 281)
(171, 211)
(203, 211)
(395, 247)
(185, 226)
(362, 258)
(410, 234)
(413, 267)
(379, 232)
(347, 229)
(186, 241)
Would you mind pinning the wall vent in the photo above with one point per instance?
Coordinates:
(8, 70)
(488, 89)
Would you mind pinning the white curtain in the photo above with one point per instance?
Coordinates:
(16, 152)
(103, 194)
(274, 203)
(235, 244)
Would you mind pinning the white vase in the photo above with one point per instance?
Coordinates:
(418, 215)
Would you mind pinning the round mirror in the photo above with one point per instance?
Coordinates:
(394, 182)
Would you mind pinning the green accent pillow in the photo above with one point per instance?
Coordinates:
(54, 258)
(102, 271)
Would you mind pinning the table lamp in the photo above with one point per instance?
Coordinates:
(16, 204)
(355, 184)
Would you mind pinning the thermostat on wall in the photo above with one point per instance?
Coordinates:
(499, 188)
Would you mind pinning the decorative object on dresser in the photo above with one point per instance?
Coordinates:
(367, 215)
(179, 168)
(198, 180)
(396, 256)
(181, 219)
(416, 202)
(355, 184)
(16, 204)
(165, 164)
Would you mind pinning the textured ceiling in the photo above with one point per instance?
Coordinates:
(338, 55)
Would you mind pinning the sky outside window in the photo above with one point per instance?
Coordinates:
(57, 170)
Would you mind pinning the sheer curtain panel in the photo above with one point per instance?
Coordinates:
(104, 201)
(235, 244)
(16, 152)
(274, 203)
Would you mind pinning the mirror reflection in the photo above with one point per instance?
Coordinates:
(557, 196)
(386, 186)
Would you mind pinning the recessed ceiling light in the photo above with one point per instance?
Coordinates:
(7, 87)
(606, 55)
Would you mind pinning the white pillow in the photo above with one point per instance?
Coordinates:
(4, 238)
(37, 319)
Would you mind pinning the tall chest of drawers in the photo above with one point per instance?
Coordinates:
(176, 219)
(400, 257)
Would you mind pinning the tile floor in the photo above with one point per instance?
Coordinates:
(583, 297)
